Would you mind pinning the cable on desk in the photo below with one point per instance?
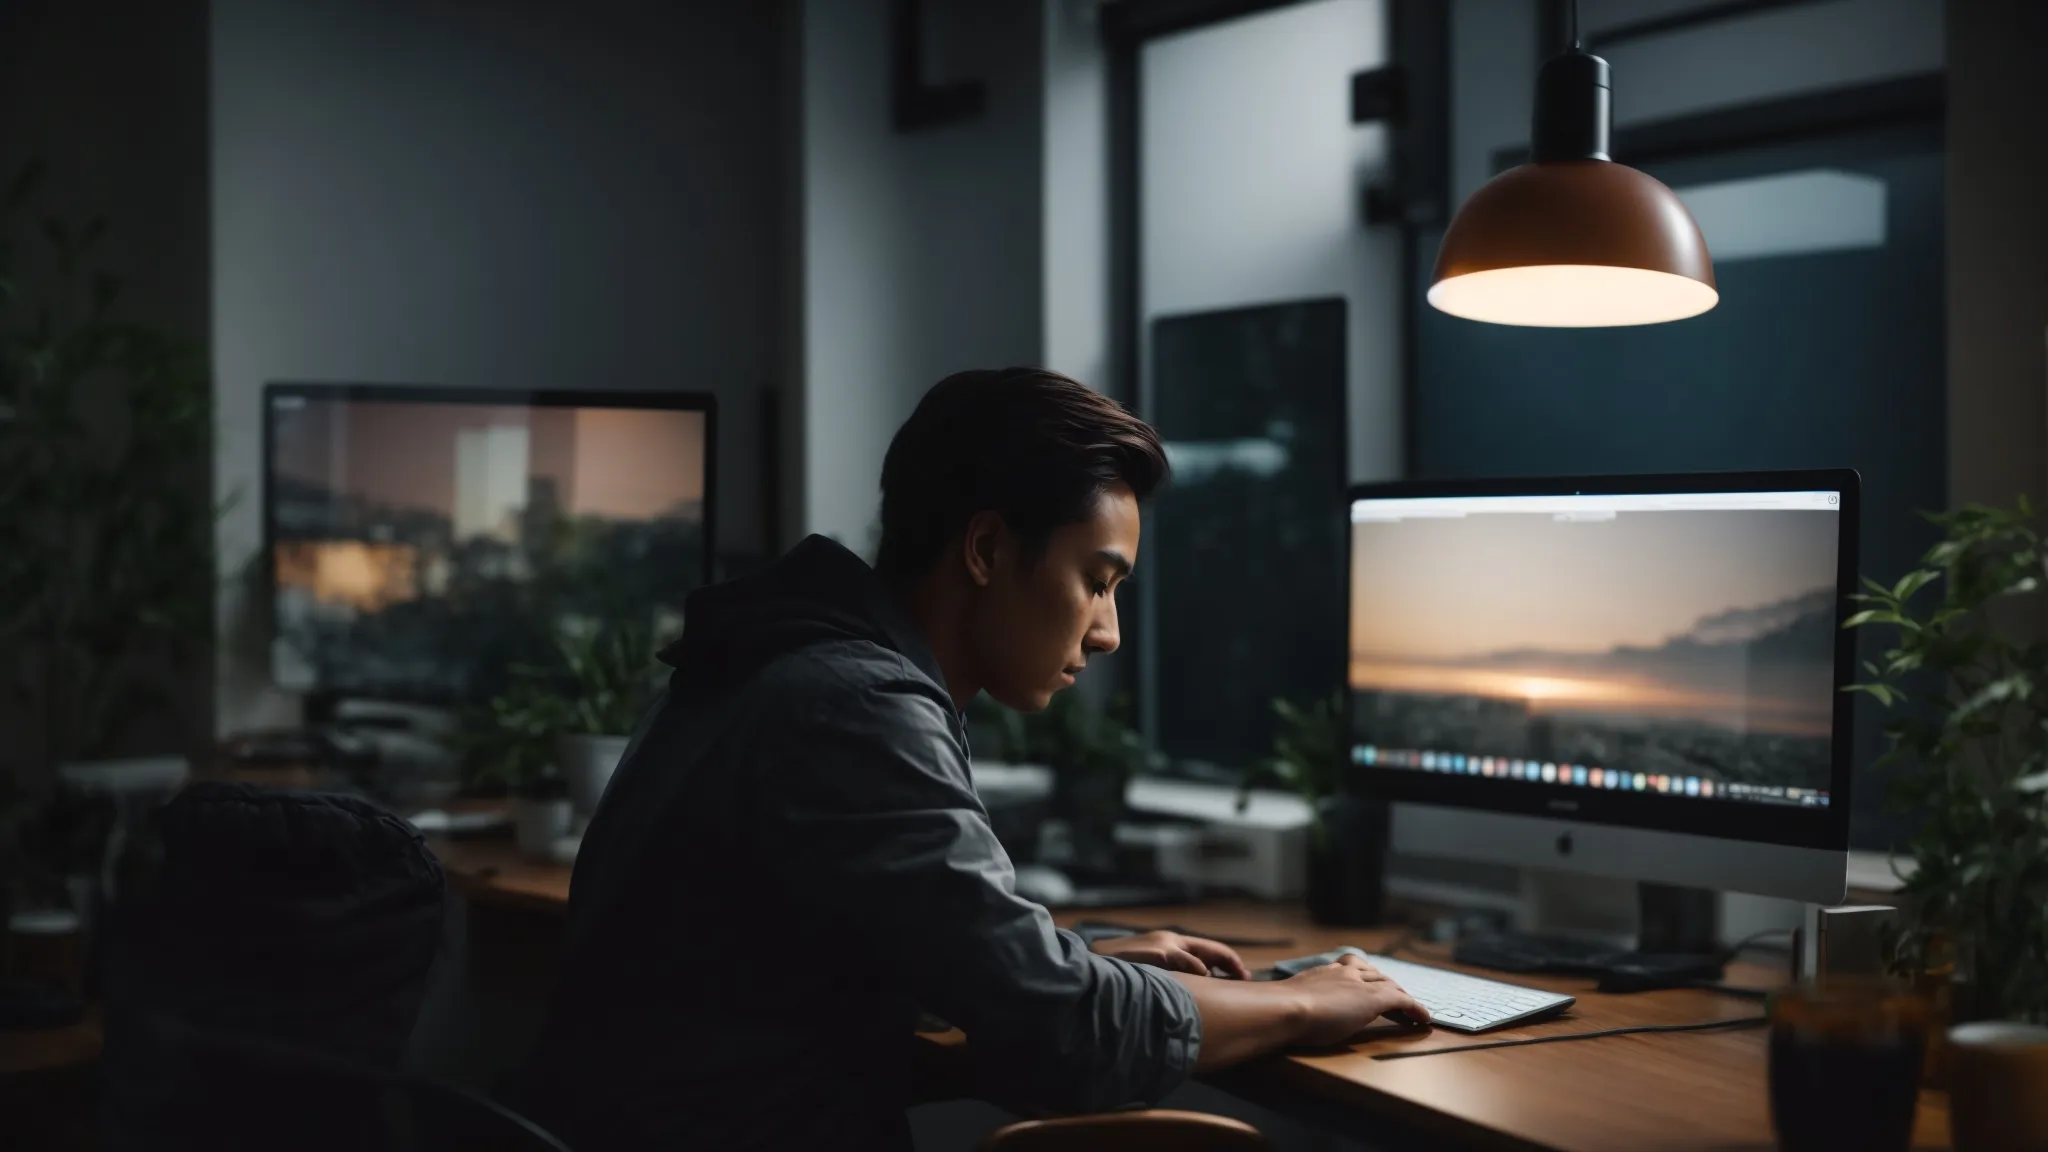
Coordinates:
(1735, 951)
(1738, 1022)
(1400, 944)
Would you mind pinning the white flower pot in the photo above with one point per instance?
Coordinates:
(537, 824)
(587, 763)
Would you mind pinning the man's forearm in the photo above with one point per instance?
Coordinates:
(1241, 1019)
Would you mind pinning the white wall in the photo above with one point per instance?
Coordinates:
(1076, 337)
(922, 251)
(1251, 174)
(521, 194)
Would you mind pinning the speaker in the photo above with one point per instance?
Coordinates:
(1347, 870)
(1842, 942)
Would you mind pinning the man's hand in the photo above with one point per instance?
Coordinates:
(1176, 953)
(1340, 1000)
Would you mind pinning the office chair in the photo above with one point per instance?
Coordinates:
(1153, 1130)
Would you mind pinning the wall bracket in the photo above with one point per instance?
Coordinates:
(915, 104)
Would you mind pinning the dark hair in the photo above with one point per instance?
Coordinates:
(1034, 446)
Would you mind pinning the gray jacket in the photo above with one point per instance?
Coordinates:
(789, 863)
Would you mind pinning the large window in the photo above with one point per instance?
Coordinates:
(1267, 325)
(1248, 542)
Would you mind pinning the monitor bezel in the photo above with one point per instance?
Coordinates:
(396, 393)
(1797, 826)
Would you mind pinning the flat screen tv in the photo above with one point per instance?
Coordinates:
(422, 542)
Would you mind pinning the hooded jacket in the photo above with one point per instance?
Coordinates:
(788, 864)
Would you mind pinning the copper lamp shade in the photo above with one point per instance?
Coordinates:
(1572, 239)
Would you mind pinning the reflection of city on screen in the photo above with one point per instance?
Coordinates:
(421, 549)
(1663, 649)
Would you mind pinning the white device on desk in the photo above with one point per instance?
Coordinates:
(1455, 1000)
(1261, 850)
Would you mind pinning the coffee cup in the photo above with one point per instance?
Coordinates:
(1998, 1087)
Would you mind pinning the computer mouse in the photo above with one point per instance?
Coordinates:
(1303, 963)
(1042, 885)
(1407, 1019)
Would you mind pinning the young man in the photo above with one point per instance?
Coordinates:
(792, 860)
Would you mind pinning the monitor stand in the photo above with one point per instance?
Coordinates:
(1676, 945)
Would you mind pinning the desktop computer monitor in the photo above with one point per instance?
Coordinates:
(1634, 677)
(423, 542)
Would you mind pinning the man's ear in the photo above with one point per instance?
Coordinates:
(981, 546)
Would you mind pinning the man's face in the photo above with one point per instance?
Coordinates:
(1038, 622)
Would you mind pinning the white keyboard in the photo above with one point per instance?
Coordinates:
(1454, 999)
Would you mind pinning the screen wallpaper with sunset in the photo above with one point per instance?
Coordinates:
(1688, 645)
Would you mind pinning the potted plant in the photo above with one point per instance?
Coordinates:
(52, 859)
(1092, 754)
(510, 744)
(609, 676)
(1971, 741)
(106, 525)
(1344, 883)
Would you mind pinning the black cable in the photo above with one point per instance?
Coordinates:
(1399, 943)
(1731, 990)
(1747, 942)
(1738, 1022)
(1576, 44)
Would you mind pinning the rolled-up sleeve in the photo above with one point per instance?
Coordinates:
(878, 810)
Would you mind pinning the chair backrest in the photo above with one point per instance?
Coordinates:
(306, 919)
(300, 1098)
(1152, 1130)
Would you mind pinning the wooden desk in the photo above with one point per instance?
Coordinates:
(28, 1050)
(1683, 1092)
(491, 871)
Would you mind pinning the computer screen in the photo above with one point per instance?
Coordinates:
(423, 542)
(1679, 647)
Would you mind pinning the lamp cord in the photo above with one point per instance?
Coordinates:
(1738, 1022)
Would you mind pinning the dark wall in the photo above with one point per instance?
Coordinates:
(1998, 255)
(112, 96)
(521, 194)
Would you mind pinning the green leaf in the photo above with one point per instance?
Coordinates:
(1945, 553)
(1884, 693)
(1997, 691)
(1913, 582)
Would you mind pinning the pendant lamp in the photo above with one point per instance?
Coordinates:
(1573, 239)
